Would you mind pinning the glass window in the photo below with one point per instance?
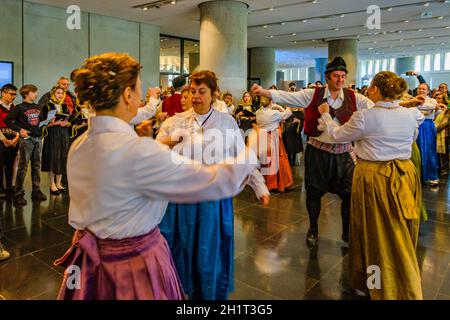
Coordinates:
(191, 56)
(437, 62)
(427, 63)
(384, 65)
(418, 63)
(370, 68)
(447, 61)
(377, 66)
(392, 65)
(170, 52)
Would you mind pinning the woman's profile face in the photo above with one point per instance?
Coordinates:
(136, 96)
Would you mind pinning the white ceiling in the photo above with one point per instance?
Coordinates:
(300, 28)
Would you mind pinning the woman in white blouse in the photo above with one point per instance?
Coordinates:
(120, 185)
(386, 192)
(201, 235)
(276, 168)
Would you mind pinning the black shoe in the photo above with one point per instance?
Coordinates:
(55, 193)
(312, 238)
(11, 190)
(62, 189)
(38, 195)
(20, 199)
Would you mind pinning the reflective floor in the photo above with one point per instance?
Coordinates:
(271, 258)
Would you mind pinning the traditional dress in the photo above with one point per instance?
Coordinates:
(328, 165)
(56, 138)
(120, 185)
(292, 135)
(386, 199)
(247, 119)
(201, 235)
(427, 142)
(276, 168)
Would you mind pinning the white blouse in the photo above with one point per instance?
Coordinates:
(382, 133)
(269, 119)
(146, 112)
(304, 98)
(428, 108)
(120, 183)
(220, 134)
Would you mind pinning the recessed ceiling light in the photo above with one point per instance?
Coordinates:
(294, 34)
(358, 36)
(432, 37)
(271, 8)
(419, 30)
(447, 27)
(305, 20)
(369, 48)
(145, 8)
(265, 26)
(389, 9)
(342, 15)
(314, 1)
(336, 29)
(440, 17)
(399, 31)
(406, 21)
(313, 40)
(173, 2)
(283, 23)
(426, 4)
(271, 36)
(441, 43)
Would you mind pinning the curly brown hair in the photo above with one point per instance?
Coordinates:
(103, 78)
(207, 77)
(390, 84)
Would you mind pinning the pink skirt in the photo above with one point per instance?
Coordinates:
(138, 268)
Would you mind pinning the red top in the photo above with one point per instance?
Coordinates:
(312, 113)
(3, 113)
(172, 105)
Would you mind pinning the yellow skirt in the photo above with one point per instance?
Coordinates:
(384, 229)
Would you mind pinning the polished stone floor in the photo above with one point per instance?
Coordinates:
(271, 258)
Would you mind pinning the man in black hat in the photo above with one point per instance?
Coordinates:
(328, 165)
(172, 105)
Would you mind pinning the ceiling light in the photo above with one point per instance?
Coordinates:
(173, 2)
(145, 8)
(426, 4)
(294, 34)
(313, 40)
(389, 9)
(305, 20)
(399, 31)
(432, 37)
(265, 26)
(440, 17)
(358, 36)
(419, 30)
(314, 1)
(374, 42)
(406, 21)
(336, 29)
(342, 15)
(271, 8)
(283, 23)
(369, 48)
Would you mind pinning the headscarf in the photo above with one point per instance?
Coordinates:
(52, 95)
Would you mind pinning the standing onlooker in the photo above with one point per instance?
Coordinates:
(54, 120)
(9, 139)
(25, 119)
(70, 98)
(228, 99)
(442, 127)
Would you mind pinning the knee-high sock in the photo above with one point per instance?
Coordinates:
(313, 205)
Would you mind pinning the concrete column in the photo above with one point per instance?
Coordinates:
(347, 49)
(194, 61)
(150, 42)
(321, 64)
(223, 43)
(311, 74)
(402, 65)
(280, 78)
(262, 65)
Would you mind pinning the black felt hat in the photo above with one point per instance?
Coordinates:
(338, 64)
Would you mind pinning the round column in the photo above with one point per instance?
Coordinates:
(347, 49)
(262, 65)
(403, 65)
(223, 43)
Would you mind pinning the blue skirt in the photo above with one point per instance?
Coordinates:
(428, 150)
(200, 237)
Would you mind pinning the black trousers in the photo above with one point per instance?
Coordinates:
(7, 158)
(327, 172)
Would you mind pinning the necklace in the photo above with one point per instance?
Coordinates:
(207, 118)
